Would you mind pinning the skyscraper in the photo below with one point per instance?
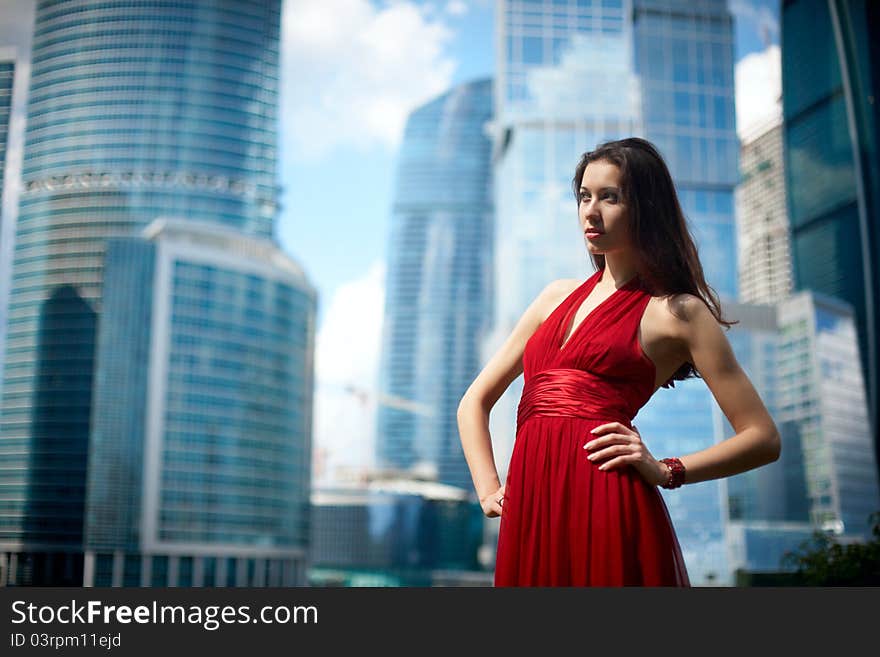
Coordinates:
(439, 281)
(572, 75)
(140, 110)
(199, 456)
(830, 83)
(822, 392)
(764, 244)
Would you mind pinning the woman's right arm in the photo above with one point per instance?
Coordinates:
(487, 388)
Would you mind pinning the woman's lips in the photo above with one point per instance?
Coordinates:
(593, 233)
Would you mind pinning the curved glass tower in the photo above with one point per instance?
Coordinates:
(199, 453)
(830, 82)
(439, 279)
(138, 110)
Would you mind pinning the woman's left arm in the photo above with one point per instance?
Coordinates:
(756, 441)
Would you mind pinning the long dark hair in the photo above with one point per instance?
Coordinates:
(658, 226)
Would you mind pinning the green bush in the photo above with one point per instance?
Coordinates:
(823, 561)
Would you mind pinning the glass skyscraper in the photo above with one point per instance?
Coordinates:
(822, 393)
(438, 283)
(141, 109)
(572, 74)
(762, 215)
(830, 83)
(201, 428)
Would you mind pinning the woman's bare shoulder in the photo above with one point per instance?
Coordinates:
(566, 286)
(556, 292)
(673, 314)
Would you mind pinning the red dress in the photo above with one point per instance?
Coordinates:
(564, 522)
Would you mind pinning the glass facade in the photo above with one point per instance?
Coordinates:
(829, 80)
(439, 282)
(202, 424)
(572, 74)
(822, 388)
(762, 219)
(116, 470)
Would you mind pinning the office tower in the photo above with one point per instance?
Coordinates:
(572, 75)
(438, 283)
(762, 217)
(140, 110)
(200, 449)
(830, 83)
(826, 478)
(822, 390)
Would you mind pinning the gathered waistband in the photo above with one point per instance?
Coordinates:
(570, 392)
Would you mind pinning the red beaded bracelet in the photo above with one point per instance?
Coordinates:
(676, 472)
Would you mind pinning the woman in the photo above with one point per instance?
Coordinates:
(580, 506)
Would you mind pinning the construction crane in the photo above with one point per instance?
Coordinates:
(366, 396)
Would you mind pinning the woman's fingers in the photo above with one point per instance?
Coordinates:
(609, 426)
(610, 439)
(613, 450)
(493, 504)
(620, 460)
(623, 447)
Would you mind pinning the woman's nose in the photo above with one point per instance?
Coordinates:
(590, 209)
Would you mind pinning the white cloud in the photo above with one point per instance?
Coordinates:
(758, 90)
(351, 76)
(347, 354)
(456, 8)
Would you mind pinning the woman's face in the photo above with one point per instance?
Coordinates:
(602, 214)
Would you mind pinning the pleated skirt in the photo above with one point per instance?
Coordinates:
(567, 523)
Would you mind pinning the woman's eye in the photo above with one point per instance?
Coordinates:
(610, 196)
